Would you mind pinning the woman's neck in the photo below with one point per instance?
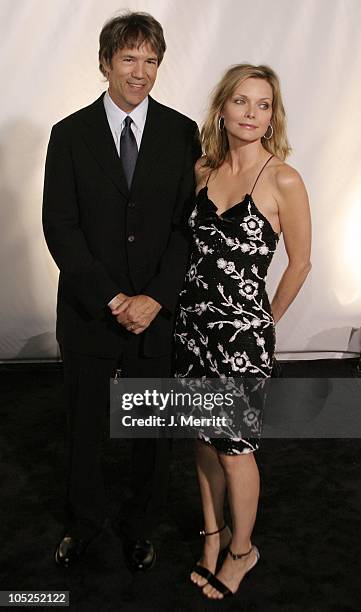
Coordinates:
(242, 156)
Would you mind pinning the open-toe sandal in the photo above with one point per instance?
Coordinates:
(199, 568)
(219, 585)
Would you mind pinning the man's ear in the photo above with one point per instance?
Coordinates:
(106, 68)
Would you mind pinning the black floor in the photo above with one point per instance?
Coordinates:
(308, 528)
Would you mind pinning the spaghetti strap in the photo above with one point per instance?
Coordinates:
(260, 172)
(208, 177)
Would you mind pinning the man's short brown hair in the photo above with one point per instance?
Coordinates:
(130, 30)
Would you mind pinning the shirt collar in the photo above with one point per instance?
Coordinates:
(117, 115)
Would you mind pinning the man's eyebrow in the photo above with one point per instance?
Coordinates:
(152, 57)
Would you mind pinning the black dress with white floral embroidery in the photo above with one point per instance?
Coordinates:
(224, 326)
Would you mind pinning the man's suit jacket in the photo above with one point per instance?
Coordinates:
(105, 239)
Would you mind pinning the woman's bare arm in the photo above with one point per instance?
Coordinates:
(295, 222)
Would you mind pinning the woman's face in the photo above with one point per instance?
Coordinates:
(248, 112)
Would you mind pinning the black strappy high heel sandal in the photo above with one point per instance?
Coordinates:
(219, 585)
(200, 569)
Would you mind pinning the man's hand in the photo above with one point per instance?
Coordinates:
(136, 313)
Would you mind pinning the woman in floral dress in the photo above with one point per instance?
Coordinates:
(246, 196)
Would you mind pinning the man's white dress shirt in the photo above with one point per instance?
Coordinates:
(116, 116)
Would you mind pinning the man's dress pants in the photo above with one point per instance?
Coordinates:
(87, 396)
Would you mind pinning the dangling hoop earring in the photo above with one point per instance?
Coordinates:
(268, 137)
(221, 123)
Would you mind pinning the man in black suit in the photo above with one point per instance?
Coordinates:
(118, 184)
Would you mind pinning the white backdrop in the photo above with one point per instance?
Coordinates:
(48, 69)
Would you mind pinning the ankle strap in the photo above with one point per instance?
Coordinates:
(209, 533)
(239, 556)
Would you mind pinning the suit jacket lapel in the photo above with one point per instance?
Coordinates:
(99, 139)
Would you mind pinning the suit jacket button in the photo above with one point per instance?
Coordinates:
(131, 238)
(131, 204)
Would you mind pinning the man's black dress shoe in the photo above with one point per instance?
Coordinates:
(69, 550)
(139, 555)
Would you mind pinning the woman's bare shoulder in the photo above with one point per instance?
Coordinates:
(286, 177)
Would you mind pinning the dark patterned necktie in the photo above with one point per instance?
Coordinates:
(128, 150)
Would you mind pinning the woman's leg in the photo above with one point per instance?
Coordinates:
(242, 480)
(212, 486)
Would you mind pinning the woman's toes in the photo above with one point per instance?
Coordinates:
(210, 592)
(198, 580)
(207, 589)
(216, 594)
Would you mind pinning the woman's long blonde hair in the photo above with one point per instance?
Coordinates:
(215, 142)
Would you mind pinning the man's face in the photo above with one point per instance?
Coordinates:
(131, 75)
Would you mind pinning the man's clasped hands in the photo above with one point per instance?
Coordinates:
(136, 312)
